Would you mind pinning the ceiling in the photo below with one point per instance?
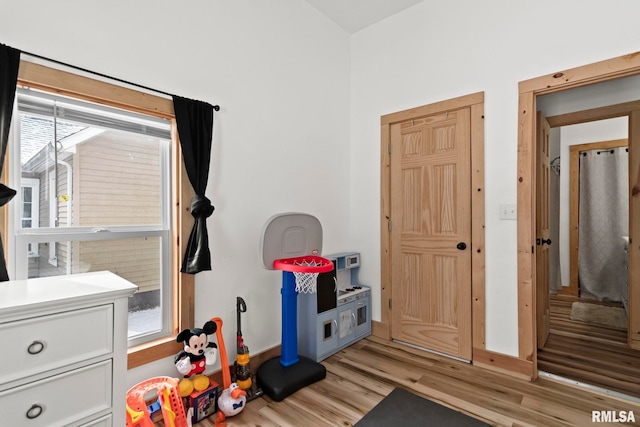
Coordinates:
(354, 15)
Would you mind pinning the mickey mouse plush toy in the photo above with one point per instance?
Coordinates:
(198, 352)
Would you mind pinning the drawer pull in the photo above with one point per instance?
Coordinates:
(35, 411)
(35, 347)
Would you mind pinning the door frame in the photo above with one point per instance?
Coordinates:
(475, 102)
(622, 66)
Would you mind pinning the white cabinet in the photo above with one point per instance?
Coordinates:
(68, 350)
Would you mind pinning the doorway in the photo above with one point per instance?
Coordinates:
(582, 324)
(531, 91)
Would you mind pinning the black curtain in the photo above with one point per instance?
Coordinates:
(9, 63)
(195, 128)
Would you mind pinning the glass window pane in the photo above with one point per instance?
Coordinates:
(137, 260)
(121, 180)
(107, 165)
(27, 206)
(26, 210)
(26, 194)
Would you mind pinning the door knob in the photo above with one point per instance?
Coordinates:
(543, 241)
(461, 246)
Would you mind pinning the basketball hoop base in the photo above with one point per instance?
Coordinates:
(279, 381)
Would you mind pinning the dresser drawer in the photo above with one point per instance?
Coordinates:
(61, 400)
(101, 422)
(43, 343)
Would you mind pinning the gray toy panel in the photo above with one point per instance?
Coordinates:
(289, 235)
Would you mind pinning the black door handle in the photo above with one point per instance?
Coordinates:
(462, 246)
(543, 241)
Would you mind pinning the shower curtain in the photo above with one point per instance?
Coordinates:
(603, 220)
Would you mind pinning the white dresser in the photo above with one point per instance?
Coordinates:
(64, 356)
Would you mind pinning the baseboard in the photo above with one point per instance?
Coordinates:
(381, 330)
(503, 363)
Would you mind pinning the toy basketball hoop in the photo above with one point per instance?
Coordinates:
(292, 242)
(305, 269)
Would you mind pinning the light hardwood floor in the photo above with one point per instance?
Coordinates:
(359, 377)
(589, 353)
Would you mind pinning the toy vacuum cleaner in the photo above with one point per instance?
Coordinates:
(242, 367)
(232, 399)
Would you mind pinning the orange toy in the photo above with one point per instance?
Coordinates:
(232, 400)
(170, 402)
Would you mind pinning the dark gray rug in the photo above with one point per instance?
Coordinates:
(402, 408)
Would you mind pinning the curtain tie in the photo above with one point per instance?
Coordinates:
(6, 194)
(201, 207)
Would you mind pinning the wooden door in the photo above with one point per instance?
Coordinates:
(430, 235)
(542, 229)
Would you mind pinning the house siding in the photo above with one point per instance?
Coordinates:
(117, 184)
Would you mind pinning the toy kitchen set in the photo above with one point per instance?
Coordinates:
(338, 314)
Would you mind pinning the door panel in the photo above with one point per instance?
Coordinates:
(542, 230)
(431, 215)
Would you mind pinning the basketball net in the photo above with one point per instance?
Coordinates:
(306, 282)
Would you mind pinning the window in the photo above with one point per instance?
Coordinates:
(101, 182)
(105, 180)
(29, 208)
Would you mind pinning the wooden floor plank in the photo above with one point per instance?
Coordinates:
(591, 354)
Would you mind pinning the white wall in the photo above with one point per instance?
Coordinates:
(281, 73)
(440, 50)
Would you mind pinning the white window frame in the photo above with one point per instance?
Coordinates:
(34, 184)
(53, 258)
(29, 237)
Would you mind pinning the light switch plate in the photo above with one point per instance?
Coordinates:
(508, 211)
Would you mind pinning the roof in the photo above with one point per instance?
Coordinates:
(38, 132)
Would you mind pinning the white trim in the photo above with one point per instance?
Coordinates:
(34, 185)
(53, 216)
(588, 386)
